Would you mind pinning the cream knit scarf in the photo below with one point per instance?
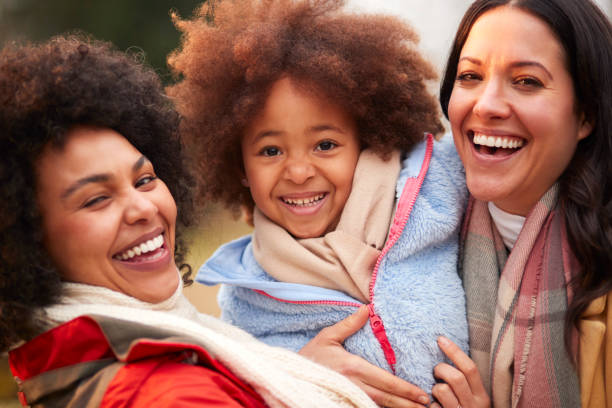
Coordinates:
(342, 259)
(281, 377)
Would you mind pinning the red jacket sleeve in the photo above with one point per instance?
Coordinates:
(171, 384)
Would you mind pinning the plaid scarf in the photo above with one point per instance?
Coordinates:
(518, 345)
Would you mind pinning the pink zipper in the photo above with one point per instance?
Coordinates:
(406, 203)
(409, 195)
(311, 302)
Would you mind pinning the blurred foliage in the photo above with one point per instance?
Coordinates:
(141, 24)
(8, 387)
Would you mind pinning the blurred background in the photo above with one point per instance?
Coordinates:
(145, 26)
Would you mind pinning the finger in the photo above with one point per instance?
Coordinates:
(445, 396)
(347, 327)
(464, 363)
(392, 385)
(385, 399)
(456, 380)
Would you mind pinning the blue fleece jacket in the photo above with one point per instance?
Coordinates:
(417, 294)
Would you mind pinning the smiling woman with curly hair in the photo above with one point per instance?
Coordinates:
(47, 90)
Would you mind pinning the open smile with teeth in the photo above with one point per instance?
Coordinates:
(491, 144)
(303, 202)
(143, 248)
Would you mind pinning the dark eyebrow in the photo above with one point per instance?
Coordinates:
(516, 64)
(472, 60)
(519, 64)
(316, 128)
(98, 178)
(95, 178)
(324, 127)
(139, 163)
(266, 133)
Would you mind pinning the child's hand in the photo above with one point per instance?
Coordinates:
(383, 387)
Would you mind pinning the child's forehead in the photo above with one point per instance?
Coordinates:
(287, 98)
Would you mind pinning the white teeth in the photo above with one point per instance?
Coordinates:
(148, 246)
(496, 141)
(303, 201)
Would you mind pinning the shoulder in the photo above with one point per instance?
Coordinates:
(596, 351)
(438, 156)
(438, 171)
(446, 159)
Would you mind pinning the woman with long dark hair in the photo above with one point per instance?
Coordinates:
(528, 91)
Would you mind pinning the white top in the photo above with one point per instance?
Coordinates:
(508, 225)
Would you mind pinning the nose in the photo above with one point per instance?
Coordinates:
(299, 170)
(139, 207)
(492, 102)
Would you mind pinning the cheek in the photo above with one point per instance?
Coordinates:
(261, 183)
(166, 205)
(457, 110)
(71, 244)
(343, 177)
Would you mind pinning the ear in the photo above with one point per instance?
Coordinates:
(586, 127)
(245, 182)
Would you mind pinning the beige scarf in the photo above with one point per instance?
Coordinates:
(281, 377)
(344, 258)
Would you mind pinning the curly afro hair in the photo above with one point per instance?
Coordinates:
(234, 50)
(48, 89)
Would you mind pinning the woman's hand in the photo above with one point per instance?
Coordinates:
(462, 385)
(383, 387)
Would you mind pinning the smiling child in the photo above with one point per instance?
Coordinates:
(316, 123)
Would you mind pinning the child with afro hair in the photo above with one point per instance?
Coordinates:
(317, 122)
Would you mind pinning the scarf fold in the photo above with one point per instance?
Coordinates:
(342, 259)
(518, 345)
(281, 377)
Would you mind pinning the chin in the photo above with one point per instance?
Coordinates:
(487, 189)
(159, 290)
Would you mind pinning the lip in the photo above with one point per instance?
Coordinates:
(302, 195)
(304, 211)
(155, 260)
(489, 159)
(151, 261)
(143, 238)
(493, 132)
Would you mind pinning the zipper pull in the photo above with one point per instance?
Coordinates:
(378, 329)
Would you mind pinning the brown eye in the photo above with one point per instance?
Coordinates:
(145, 180)
(529, 82)
(326, 145)
(270, 151)
(94, 201)
(468, 76)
